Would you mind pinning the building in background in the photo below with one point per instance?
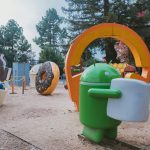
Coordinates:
(20, 71)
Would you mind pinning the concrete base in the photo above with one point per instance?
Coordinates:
(2, 96)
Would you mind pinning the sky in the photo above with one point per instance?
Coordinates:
(28, 13)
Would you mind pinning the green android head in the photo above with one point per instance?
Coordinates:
(99, 73)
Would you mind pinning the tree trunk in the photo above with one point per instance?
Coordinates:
(106, 8)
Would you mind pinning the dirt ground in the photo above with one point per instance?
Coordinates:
(9, 141)
(51, 122)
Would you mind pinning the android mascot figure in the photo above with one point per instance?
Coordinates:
(94, 93)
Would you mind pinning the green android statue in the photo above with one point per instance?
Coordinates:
(94, 93)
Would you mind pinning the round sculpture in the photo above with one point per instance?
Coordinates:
(47, 78)
(33, 74)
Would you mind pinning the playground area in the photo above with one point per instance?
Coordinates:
(51, 122)
(75, 75)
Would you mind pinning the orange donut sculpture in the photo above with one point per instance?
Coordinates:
(47, 78)
(120, 32)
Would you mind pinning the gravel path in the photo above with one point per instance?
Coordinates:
(51, 122)
(9, 142)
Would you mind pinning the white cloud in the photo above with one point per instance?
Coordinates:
(28, 13)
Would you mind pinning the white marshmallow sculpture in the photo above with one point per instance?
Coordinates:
(133, 105)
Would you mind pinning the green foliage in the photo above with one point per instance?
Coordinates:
(83, 14)
(52, 38)
(49, 54)
(13, 44)
(50, 33)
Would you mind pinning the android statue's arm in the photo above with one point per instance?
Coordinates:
(104, 93)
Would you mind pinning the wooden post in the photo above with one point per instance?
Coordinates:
(23, 85)
(12, 87)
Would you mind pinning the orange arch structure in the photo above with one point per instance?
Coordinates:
(120, 32)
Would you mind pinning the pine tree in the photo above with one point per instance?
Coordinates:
(50, 32)
(14, 44)
(51, 38)
(83, 14)
(48, 54)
